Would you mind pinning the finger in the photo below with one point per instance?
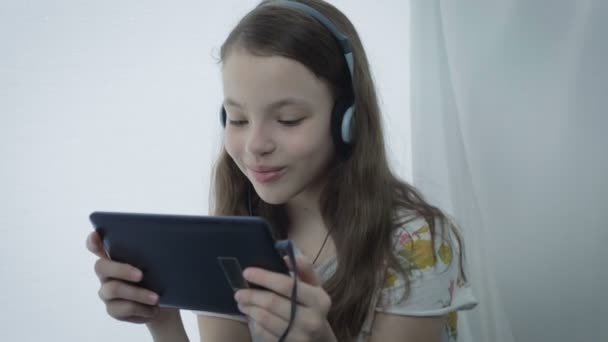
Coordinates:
(138, 319)
(306, 272)
(270, 328)
(273, 312)
(267, 326)
(307, 294)
(106, 268)
(95, 246)
(114, 289)
(262, 334)
(266, 300)
(127, 310)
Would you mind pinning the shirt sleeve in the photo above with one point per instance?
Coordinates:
(436, 287)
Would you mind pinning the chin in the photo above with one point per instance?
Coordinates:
(271, 198)
(273, 195)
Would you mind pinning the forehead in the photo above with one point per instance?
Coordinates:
(255, 80)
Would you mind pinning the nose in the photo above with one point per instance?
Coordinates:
(260, 141)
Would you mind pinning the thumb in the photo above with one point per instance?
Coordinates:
(95, 245)
(306, 273)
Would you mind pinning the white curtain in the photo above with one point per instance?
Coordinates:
(508, 130)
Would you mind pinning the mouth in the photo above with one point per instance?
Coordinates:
(267, 174)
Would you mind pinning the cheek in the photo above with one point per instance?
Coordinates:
(233, 146)
(308, 147)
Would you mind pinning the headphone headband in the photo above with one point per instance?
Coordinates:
(340, 37)
(345, 123)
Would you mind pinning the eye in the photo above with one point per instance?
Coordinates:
(237, 123)
(290, 123)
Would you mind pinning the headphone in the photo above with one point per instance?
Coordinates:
(343, 112)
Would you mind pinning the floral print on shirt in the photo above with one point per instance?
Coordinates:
(434, 277)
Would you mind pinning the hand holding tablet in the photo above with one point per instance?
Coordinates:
(124, 300)
(191, 262)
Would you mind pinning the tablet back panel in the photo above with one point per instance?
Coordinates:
(189, 260)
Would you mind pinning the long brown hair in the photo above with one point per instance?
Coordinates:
(361, 201)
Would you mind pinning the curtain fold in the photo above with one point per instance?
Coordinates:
(441, 168)
(509, 137)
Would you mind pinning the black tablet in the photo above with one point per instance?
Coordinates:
(192, 262)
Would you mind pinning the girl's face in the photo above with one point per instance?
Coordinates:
(278, 124)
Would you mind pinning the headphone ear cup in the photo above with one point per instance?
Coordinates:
(348, 125)
(223, 116)
(342, 124)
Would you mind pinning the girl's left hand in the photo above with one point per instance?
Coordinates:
(271, 310)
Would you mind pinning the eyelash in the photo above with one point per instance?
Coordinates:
(288, 123)
(237, 123)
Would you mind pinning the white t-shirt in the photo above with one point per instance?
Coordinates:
(436, 288)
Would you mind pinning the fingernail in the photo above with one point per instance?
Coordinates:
(136, 275)
(153, 297)
(247, 273)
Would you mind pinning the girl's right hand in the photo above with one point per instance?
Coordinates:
(124, 301)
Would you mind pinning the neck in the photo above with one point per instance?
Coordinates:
(305, 214)
(307, 228)
(304, 209)
(305, 219)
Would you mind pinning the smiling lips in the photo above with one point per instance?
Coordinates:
(267, 174)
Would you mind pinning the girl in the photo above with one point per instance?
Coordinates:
(304, 149)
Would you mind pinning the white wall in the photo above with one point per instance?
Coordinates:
(112, 105)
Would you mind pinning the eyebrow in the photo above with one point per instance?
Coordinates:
(290, 101)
